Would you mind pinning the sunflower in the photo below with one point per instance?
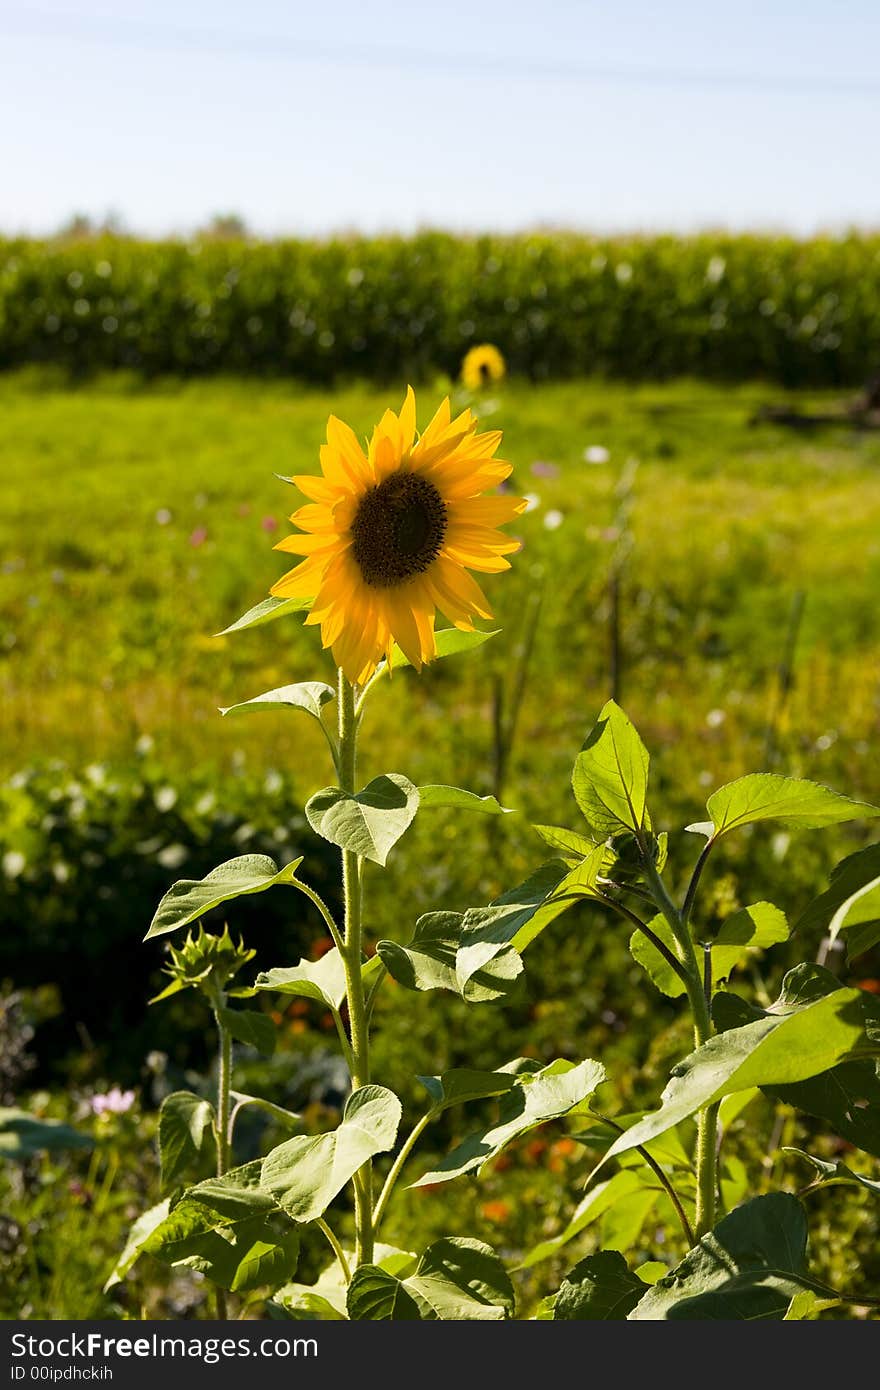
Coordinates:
(390, 534)
(482, 366)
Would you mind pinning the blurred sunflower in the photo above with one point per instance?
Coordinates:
(482, 366)
(391, 533)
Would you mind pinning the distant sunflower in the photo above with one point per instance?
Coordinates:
(482, 366)
(391, 534)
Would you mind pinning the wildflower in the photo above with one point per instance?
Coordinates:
(391, 534)
(596, 453)
(482, 366)
(112, 1102)
(540, 469)
(553, 519)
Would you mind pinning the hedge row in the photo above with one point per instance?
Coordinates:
(800, 312)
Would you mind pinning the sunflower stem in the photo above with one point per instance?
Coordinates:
(352, 956)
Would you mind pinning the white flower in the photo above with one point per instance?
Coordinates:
(596, 453)
(553, 519)
(14, 863)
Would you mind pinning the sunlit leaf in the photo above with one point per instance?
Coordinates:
(455, 797)
(266, 612)
(428, 961)
(189, 898)
(185, 1133)
(610, 778)
(790, 801)
(308, 696)
(455, 1280)
(602, 1288)
(369, 823)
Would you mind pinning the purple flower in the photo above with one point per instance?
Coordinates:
(199, 536)
(544, 470)
(113, 1102)
(269, 524)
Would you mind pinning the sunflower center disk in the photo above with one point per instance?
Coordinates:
(398, 529)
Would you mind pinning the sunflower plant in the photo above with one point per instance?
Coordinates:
(391, 535)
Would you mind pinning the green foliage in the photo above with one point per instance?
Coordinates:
(851, 903)
(23, 1135)
(185, 1134)
(188, 899)
(790, 801)
(455, 1279)
(610, 778)
(751, 929)
(430, 961)
(308, 696)
(369, 823)
(558, 305)
(599, 1289)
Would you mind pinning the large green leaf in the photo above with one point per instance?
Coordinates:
(238, 1254)
(305, 1174)
(248, 1026)
(598, 1200)
(847, 1096)
(449, 642)
(750, 1266)
(461, 1084)
(790, 801)
(851, 902)
(602, 1288)
(536, 1097)
(22, 1135)
(266, 612)
(140, 1232)
(436, 795)
(326, 1298)
(368, 823)
(308, 696)
(185, 1134)
(752, 928)
(837, 1172)
(519, 915)
(428, 961)
(455, 1280)
(321, 980)
(190, 898)
(610, 778)
(799, 1041)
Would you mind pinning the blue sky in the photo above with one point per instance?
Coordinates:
(379, 116)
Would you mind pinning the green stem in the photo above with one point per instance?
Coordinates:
(352, 956)
(707, 1119)
(659, 1174)
(336, 1248)
(397, 1166)
(224, 1081)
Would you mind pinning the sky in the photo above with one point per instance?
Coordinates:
(374, 116)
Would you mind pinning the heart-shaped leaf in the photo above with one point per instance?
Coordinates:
(189, 898)
(368, 823)
(247, 1026)
(321, 980)
(602, 1288)
(185, 1133)
(455, 1280)
(429, 961)
(305, 1174)
(749, 1267)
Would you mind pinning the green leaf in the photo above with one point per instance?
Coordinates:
(837, 1172)
(750, 1266)
(266, 612)
(807, 1305)
(429, 961)
(190, 898)
(321, 980)
(597, 1201)
(185, 1134)
(308, 696)
(610, 778)
(450, 642)
(791, 801)
(752, 928)
(237, 1196)
(462, 1084)
(851, 902)
(140, 1231)
(571, 846)
(455, 1280)
(536, 1097)
(602, 1288)
(238, 1255)
(800, 1041)
(436, 795)
(369, 823)
(247, 1026)
(325, 1298)
(22, 1135)
(375, 1295)
(521, 914)
(305, 1174)
(621, 1225)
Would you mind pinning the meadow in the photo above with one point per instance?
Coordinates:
(719, 577)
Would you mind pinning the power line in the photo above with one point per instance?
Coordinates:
(126, 33)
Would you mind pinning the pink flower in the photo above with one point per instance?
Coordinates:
(269, 523)
(199, 536)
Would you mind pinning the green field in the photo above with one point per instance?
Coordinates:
(138, 522)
